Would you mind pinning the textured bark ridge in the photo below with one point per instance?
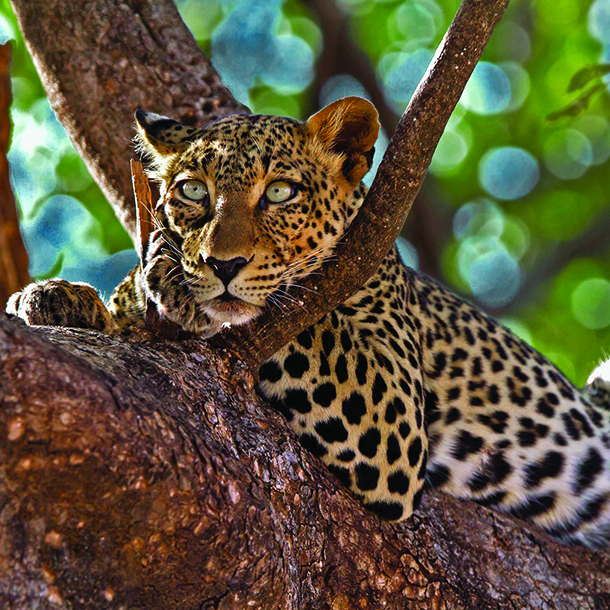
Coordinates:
(107, 58)
(143, 475)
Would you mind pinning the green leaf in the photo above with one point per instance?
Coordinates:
(586, 75)
(579, 105)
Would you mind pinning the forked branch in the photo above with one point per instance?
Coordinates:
(143, 474)
(152, 61)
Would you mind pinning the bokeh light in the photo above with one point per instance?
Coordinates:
(508, 172)
(64, 226)
(105, 274)
(246, 46)
(408, 253)
(597, 130)
(401, 79)
(519, 84)
(416, 23)
(341, 85)
(64, 231)
(490, 246)
(495, 278)
(513, 40)
(7, 31)
(481, 218)
(568, 154)
(599, 20)
(449, 154)
(591, 303)
(488, 91)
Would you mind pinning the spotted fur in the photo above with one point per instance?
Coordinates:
(404, 384)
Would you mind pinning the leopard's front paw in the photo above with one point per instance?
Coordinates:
(170, 294)
(61, 303)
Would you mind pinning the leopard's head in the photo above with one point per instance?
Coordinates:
(248, 205)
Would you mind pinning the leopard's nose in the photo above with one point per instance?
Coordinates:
(225, 271)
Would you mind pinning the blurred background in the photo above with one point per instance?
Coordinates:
(515, 212)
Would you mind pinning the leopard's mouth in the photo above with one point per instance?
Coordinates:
(229, 309)
(227, 297)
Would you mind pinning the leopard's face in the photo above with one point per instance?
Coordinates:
(251, 204)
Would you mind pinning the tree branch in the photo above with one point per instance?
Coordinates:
(147, 474)
(118, 56)
(143, 62)
(13, 256)
(133, 476)
(426, 228)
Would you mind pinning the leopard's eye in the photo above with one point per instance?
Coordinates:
(193, 190)
(279, 191)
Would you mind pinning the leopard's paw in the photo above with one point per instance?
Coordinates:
(60, 303)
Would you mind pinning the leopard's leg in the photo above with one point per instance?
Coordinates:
(57, 302)
(164, 284)
(127, 304)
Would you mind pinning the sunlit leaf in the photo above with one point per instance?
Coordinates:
(586, 75)
(576, 107)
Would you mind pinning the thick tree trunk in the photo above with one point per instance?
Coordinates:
(142, 475)
(139, 473)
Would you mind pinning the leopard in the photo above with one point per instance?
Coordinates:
(404, 386)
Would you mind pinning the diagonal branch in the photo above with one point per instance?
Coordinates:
(147, 474)
(106, 59)
(427, 227)
(151, 60)
(398, 181)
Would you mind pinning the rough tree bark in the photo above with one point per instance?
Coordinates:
(146, 475)
(139, 473)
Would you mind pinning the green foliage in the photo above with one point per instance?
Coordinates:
(520, 173)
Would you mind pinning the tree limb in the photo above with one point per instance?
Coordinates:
(143, 61)
(105, 60)
(13, 256)
(135, 476)
(139, 473)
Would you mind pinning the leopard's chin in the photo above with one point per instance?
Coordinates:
(231, 311)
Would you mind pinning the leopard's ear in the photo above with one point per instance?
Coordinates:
(161, 136)
(349, 126)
